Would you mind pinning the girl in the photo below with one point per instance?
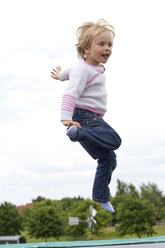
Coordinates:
(84, 104)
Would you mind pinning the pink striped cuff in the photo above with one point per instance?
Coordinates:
(68, 103)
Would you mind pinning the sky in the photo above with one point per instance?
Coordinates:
(36, 156)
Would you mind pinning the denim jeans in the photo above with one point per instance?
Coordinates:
(99, 140)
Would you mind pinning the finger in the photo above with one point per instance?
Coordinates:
(53, 72)
(52, 76)
(65, 124)
(71, 124)
(77, 124)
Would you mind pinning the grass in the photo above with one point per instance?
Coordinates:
(110, 233)
(107, 233)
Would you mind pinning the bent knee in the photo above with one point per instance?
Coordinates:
(118, 143)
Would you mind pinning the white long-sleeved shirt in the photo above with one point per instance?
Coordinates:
(85, 89)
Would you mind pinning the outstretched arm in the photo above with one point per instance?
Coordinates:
(55, 73)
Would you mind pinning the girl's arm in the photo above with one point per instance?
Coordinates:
(55, 73)
(59, 74)
(77, 83)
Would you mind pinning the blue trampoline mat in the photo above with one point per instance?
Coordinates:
(153, 242)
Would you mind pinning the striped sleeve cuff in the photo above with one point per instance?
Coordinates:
(67, 107)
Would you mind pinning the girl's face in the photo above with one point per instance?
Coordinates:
(101, 48)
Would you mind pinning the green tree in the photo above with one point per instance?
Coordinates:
(126, 189)
(154, 195)
(39, 199)
(136, 217)
(162, 215)
(123, 190)
(11, 222)
(26, 216)
(69, 204)
(102, 218)
(46, 220)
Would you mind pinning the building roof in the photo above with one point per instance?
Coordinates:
(22, 207)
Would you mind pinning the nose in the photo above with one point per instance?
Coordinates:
(108, 49)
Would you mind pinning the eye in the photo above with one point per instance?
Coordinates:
(101, 44)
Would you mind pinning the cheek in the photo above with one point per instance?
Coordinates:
(99, 51)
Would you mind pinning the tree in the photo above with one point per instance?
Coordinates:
(123, 190)
(69, 204)
(82, 211)
(126, 189)
(10, 219)
(46, 220)
(39, 199)
(136, 216)
(162, 215)
(154, 195)
(26, 216)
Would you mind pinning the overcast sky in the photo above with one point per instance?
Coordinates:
(36, 157)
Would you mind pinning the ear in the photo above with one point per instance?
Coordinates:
(87, 50)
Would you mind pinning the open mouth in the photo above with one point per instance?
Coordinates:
(105, 55)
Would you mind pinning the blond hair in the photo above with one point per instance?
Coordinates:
(86, 32)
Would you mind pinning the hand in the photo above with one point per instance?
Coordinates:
(55, 72)
(71, 123)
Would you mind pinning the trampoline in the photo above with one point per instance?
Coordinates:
(153, 242)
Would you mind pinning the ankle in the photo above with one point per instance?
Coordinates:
(107, 206)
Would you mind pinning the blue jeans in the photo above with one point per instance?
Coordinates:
(99, 140)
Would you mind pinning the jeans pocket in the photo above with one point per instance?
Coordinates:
(87, 118)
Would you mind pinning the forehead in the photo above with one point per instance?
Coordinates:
(104, 36)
